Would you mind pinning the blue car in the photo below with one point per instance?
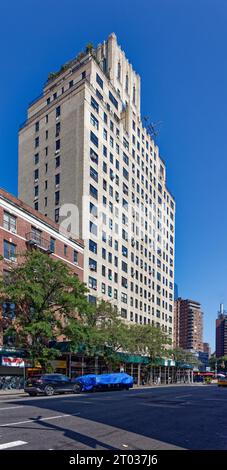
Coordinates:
(93, 382)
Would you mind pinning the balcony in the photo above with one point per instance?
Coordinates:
(36, 241)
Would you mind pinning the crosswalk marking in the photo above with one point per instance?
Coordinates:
(7, 445)
(37, 420)
(10, 408)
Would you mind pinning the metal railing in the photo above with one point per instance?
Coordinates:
(34, 240)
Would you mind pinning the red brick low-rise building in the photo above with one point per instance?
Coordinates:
(22, 228)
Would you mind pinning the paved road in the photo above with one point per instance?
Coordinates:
(185, 417)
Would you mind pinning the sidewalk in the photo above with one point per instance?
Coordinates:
(4, 393)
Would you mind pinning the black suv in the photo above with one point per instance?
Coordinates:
(48, 384)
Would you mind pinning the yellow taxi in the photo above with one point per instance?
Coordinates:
(222, 381)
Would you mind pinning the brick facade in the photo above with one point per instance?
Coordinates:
(27, 223)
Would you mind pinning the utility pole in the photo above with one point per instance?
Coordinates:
(216, 369)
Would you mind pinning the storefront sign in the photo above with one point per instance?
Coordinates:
(12, 362)
(59, 364)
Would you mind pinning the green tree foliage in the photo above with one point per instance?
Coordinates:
(47, 298)
(150, 341)
(51, 302)
(187, 357)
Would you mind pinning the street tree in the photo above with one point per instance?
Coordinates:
(47, 298)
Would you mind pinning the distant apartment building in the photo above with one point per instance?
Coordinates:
(22, 228)
(221, 332)
(207, 349)
(188, 325)
(84, 144)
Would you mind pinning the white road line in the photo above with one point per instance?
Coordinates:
(10, 408)
(38, 420)
(183, 396)
(12, 444)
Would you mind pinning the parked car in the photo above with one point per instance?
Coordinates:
(222, 381)
(93, 382)
(48, 384)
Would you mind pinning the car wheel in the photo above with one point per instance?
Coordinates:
(49, 390)
(77, 388)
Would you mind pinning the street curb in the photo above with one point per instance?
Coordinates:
(7, 394)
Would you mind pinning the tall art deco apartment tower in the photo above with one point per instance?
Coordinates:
(84, 147)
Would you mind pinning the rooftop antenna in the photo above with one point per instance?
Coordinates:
(152, 127)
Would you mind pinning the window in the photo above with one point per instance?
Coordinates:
(93, 191)
(71, 84)
(57, 198)
(37, 126)
(75, 257)
(56, 215)
(113, 100)
(36, 174)
(46, 184)
(119, 71)
(93, 246)
(124, 313)
(57, 161)
(99, 95)
(125, 173)
(46, 119)
(94, 104)
(103, 288)
(45, 202)
(134, 94)
(36, 159)
(125, 251)
(36, 191)
(46, 151)
(93, 228)
(46, 135)
(9, 251)
(94, 156)
(105, 117)
(124, 266)
(94, 174)
(52, 244)
(99, 80)
(10, 222)
(58, 129)
(125, 143)
(94, 139)
(125, 158)
(94, 121)
(93, 210)
(104, 151)
(58, 111)
(92, 264)
(124, 298)
(92, 282)
(57, 179)
(126, 82)
(58, 145)
(36, 142)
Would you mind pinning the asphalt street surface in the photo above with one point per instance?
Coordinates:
(174, 417)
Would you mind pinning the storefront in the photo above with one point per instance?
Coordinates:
(12, 368)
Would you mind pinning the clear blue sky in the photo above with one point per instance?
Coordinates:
(179, 49)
